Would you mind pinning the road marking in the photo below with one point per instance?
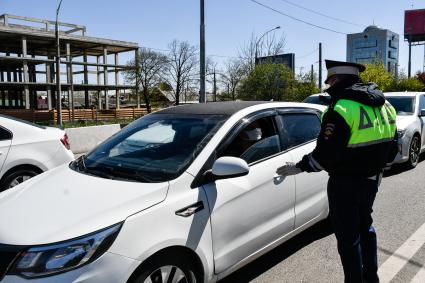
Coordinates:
(389, 269)
(420, 276)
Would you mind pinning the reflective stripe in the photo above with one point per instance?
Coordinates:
(314, 164)
(369, 143)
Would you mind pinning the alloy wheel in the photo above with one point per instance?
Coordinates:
(414, 151)
(19, 179)
(167, 274)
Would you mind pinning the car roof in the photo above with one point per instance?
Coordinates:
(211, 108)
(231, 107)
(404, 93)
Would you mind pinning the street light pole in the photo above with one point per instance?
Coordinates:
(202, 97)
(258, 41)
(58, 75)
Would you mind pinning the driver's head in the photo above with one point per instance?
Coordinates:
(252, 132)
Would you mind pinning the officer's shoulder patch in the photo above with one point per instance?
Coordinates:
(328, 130)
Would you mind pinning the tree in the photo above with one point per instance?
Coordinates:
(152, 66)
(267, 46)
(269, 81)
(403, 83)
(421, 77)
(233, 75)
(376, 72)
(182, 66)
(306, 85)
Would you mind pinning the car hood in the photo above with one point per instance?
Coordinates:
(63, 204)
(403, 121)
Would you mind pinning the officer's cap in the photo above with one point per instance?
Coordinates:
(343, 68)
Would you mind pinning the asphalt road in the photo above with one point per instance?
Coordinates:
(399, 212)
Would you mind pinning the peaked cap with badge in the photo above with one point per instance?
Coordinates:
(343, 68)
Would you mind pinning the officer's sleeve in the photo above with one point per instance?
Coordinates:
(333, 139)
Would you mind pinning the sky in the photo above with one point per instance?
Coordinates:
(229, 24)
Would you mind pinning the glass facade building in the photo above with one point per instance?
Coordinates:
(374, 44)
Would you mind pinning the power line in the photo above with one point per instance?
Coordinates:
(308, 54)
(321, 14)
(296, 19)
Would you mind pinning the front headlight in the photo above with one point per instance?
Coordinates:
(60, 257)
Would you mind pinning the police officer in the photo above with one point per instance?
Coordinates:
(358, 138)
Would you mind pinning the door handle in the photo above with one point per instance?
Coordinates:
(191, 209)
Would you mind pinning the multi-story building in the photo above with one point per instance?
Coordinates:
(374, 44)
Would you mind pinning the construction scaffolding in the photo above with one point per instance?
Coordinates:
(89, 66)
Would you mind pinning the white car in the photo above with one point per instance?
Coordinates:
(410, 108)
(27, 149)
(186, 194)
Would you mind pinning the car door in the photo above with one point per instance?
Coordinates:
(250, 212)
(299, 129)
(5, 142)
(422, 118)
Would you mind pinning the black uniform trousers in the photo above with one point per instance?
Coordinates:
(350, 208)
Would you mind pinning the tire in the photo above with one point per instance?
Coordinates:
(16, 177)
(160, 269)
(414, 151)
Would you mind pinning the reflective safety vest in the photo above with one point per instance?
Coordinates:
(369, 125)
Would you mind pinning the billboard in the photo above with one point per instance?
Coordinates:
(288, 59)
(414, 25)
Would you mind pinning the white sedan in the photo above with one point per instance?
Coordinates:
(27, 149)
(410, 108)
(187, 194)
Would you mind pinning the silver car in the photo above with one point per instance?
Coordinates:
(410, 107)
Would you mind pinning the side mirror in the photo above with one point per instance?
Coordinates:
(422, 112)
(229, 167)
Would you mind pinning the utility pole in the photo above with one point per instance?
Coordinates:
(320, 66)
(58, 71)
(312, 74)
(215, 87)
(202, 98)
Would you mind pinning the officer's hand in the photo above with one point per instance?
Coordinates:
(288, 169)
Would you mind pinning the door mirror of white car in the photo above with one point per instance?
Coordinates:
(422, 112)
(229, 167)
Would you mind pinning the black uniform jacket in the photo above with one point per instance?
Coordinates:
(331, 152)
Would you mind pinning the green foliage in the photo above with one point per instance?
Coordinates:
(376, 72)
(268, 81)
(306, 85)
(421, 77)
(408, 84)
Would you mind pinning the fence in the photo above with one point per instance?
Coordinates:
(79, 114)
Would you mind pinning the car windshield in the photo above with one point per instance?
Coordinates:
(155, 148)
(403, 105)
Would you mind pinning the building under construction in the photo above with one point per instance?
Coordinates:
(89, 67)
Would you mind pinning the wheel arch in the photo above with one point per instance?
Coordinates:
(172, 251)
(21, 167)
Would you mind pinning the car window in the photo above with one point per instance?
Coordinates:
(255, 141)
(422, 102)
(299, 128)
(5, 134)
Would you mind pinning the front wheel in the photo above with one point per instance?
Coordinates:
(414, 151)
(165, 270)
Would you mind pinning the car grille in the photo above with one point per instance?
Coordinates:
(7, 255)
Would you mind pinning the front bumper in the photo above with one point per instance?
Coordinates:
(403, 149)
(109, 268)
